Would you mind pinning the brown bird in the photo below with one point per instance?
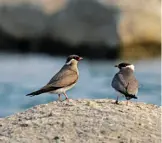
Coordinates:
(64, 80)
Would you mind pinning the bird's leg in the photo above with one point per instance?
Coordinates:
(127, 103)
(66, 97)
(59, 95)
(116, 102)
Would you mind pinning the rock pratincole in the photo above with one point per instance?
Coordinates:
(125, 82)
(64, 80)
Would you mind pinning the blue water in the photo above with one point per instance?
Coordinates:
(21, 74)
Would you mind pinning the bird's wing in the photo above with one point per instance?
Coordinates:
(65, 77)
(40, 91)
(119, 83)
(125, 85)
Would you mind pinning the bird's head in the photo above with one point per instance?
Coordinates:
(73, 59)
(125, 65)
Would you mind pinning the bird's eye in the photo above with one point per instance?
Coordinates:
(76, 58)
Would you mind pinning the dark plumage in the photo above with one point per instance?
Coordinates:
(42, 90)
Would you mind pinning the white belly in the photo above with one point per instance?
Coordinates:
(62, 90)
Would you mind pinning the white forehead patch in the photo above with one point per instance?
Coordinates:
(68, 63)
(131, 67)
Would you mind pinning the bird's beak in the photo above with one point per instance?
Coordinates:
(80, 58)
(116, 66)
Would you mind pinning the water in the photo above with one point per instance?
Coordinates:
(21, 74)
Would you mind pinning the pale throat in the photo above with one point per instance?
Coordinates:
(68, 63)
(131, 67)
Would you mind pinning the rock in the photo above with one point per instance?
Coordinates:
(112, 22)
(139, 21)
(80, 121)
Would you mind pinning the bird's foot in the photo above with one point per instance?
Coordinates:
(67, 99)
(116, 102)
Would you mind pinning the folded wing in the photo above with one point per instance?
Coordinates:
(65, 77)
(126, 86)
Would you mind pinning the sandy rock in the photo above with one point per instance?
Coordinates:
(80, 121)
(76, 21)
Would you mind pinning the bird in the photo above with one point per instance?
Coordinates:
(62, 81)
(125, 82)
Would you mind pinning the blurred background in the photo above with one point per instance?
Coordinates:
(36, 36)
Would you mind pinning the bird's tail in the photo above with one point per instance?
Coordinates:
(129, 96)
(37, 92)
(133, 96)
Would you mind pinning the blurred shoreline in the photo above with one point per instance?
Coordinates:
(91, 51)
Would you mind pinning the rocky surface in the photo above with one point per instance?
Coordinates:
(84, 121)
